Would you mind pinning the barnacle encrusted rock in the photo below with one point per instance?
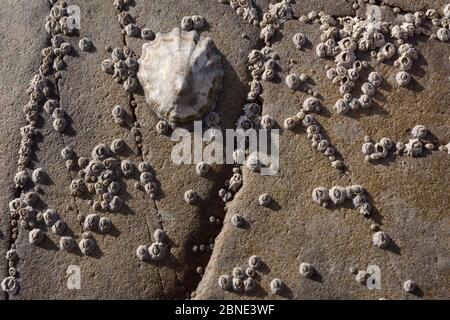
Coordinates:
(181, 74)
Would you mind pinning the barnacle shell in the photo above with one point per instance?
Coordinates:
(36, 236)
(238, 284)
(409, 286)
(265, 200)
(59, 227)
(402, 78)
(320, 195)
(380, 239)
(276, 286)
(249, 284)
(237, 220)
(162, 127)
(254, 262)
(202, 169)
(267, 121)
(238, 273)
(181, 74)
(142, 253)
(443, 34)
(299, 40)
(414, 147)
(91, 222)
(159, 235)
(225, 282)
(337, 194)
(306, 270)
(10, 285)
(190, 196)
(87, 245)
(157, 251)
(419, 132)
(85, 44)
(292, 81)
(104, 225)
(67, 243)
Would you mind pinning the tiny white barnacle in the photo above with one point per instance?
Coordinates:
(36, 236)
(276, 286)
(321, 50)
(104, 224)
(144, 166)
(308, 120)
(107, 66)
(67, 243)
(341, 106)
(268, 74)
(50, 217)
(368, 89)
(375, 78)
(142, 253)
(39, 175)
(159, 235)
(320, 195)
(237, 220)
(10, 285)
(162, 127)
(267, 122)
(299, 40)
(254, 262)
(87, 245)
(381, 239)
(30, 198)
(202, 168)
(59, 227)
(368, 148)
(238, 284)
(238, 273)
(157, 251)
(91, 222)
(190, 196)
(337, 194)
(419, 132)
(306, 270)
(85, 44)
(311, 104)
(225, 282)
(292, 81)
(265, 200)
(443, 34)
(402, 78)
(409, 286)
(249, 284)
(289, 123)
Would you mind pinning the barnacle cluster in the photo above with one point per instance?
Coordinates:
(194, 22)
(128, 23)
(338, 195)
(156, 251)
(274, 19)
(415, 146)
(232, 185)
(241, 280)
(123, 66)
(245, 9)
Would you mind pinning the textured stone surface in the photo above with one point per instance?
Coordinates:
(408, 193)
(20, 35)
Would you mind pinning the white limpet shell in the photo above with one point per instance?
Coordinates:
(181, 74)
(381, 239)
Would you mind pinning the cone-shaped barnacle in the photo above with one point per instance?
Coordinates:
(321, 50)
(368, 89)
(144, 166)
(190, 196)
(117, 145)
(419, 132)
(341, 107)
(292, 81)
(50, 105)
(151, 188)
(265, 200)
(147, 34)
(365, 101)
(91, 222)
(311, 104)
(299, 40)
(145, 177)
(132, 30)
(414, 147)
(443, 34)
(59, 124)
(306, 270)
(308, 120)
(119, 113)
(104, 224)
(268, 74)
(249, 285)
(402, 78)
(289, 123)
(59, 227)
(202, 169)
(358, 200)
(237, 284)
(21, 178)
(237, 220)
(36, 236)
(187, 94)
(238, 273)
(10, 285)
(159, 235)
(39, 175)
(107, 66)
(267, 122)
(250, 272)
(157, 251)
(254, 262)
(409, 286)
(368, 148)
(142, 253)
(365, 209)
(337, 194)
(381, 239)
(127, 168)
(100, 152)
(115, 204)
(30, 198)
(276, 286)
(162, 127)
(225, 282)
(88, 244)
(85, 44)
(67, 243)
(50, 217)
(320, 195)
(131, 84)
(67, 153)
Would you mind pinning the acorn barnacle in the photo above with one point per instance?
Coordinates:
(299, 40)
(341, 106)
(59, 124)
(30, 198)
(289, 123)
(91, 222)
(419, 132)
(147, 34)
(292, 81)
(115, 204)
(308, 120)
(87, 245)
(162, 127)
(126, 167)
(237, 220)
(10, 285)
(254, 262)
(365, 209)
(21, 178)
(387, 143)
(320, 195)
(265, 200)
(267, 122)
(381, 239)
(268, 74)
(306, 270)
(59, 227)
(51, 105)
(225, 282)
(368, 89)
(365, 101)
(337, 194)
(249, 284)
(151, 188)
(414, 147)
(402, 78)
(157, 251)
(187, 23)
(443, 34)
(100, 152)
(39, 175)
(276, 286)
(132, 30)
(190, 196)
(409, 286)
(36, 236)
(104, 224)
(117, 145)
(368, 148)
(142, 253)
(67, 243)
(85, 44)
(202, 168)
(67, 153)
(50, 217)
(311, 104)
(238, 273)
(238, 284)
(159, 235)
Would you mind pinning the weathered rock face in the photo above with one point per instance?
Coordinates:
(181, 74)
